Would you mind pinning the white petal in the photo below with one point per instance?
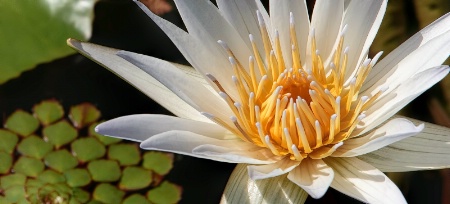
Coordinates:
(391, 103)
(257, 172)
(145, 83)
(184, 142)
(140, 127)
(188, 89)
(430, 149)
(393, 131)
(427, 48)
(240, 153)
(280, 18)
(363, 19)
(362, 181)
(314, 176)
(325, 151)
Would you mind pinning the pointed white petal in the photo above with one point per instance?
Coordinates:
(184, 142)
(362, 181)
(363, 19)
(242, 189)
(427, 48)
(140, 127)
(280, 18)
(285, 165)
(400, 96)
(394, 130)
(145, 83)
(430, 149)
(314, 176)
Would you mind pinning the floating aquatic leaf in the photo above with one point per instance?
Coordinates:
(136, 199)
(5, 162)
(8, 141)
(48, 111)
(83, 114)
(159, 162)
(16, 179)
(50, 176)
(15, 194)
(81, 195)
(29, 166)
(60, 133)
(22, 123)
(34, 146)
(126, 154)
(134, 178)
(166, 193)
(77, 177)
(87, 149)
(108, 193)
(103, 139)
(104, 170)
(60, 160)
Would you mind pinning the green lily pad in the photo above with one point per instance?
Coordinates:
(60, 160)
(87, 149)
(77, 177)
(108, 193)
(16, 179)
(165, 193)
(4, 200)
(48, 111)
(15, 194)
(104, 170)
(22, 123)
(103, 139)
(50, 176)
(81, 195)
(94, 202)
(29, 166)
(63, 189)
(34, 146)
(5, 162)
(136, 199)
(40, 33)
(126, 154)
(60, 133)
(134, 178)
(83, 114)
(9, 141)
(159, 162)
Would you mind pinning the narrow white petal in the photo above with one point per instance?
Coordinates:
(394, 130)
(400, 96)
(142, 126)
(257, 172)
(184, 142)
(430, 149)
(362, 181)
(427, 48)
(145, 83)
(314, 176)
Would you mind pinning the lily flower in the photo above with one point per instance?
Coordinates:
(292, 98)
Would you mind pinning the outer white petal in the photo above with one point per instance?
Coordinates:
(427, 48)
(391, 103)
(184, 142)
(430, 149)
(363, 19)
(362, 181)
(393, 131)
(145, 83)
(257, 172)
(140, 127)
(280, 18)
(314, 176)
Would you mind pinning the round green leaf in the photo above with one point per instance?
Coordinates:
(87, 149)
(60, 133)
(165, 193)
(83, 114)
(22, 123)
(29, 166)
(60, 160)
(136, 199)
(48, 111)
(8, 141)
(104, 170)
(94, 202)
(134, 178)
(81, 195)
(103, 139)
(159, 162)
(16, 179)
(77, 177)
(34, 146)
(4, 200)
(50, 176)
(15, 194)
(5, 162)
(108, 193)
(126, 154)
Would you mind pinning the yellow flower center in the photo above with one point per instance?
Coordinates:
(298, 111)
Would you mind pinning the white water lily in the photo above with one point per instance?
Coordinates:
(289, 96)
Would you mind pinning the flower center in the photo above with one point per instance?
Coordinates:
(299, 111)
